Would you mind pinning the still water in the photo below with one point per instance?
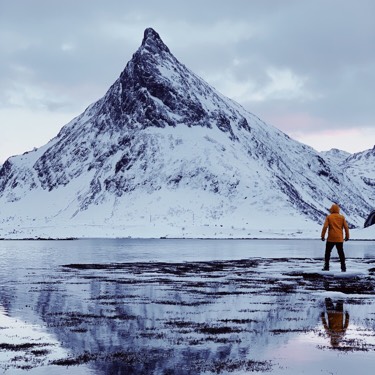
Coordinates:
(128, 306)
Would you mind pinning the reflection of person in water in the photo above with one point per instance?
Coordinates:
(337, 322)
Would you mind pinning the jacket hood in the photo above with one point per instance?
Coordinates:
(335, 209)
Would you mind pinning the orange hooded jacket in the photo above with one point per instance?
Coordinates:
(335, 223)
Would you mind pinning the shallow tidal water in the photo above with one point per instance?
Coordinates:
(129, 306)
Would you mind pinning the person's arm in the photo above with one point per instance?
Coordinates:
(324, 230)
(346, 228)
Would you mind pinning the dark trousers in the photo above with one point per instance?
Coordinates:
(340, 251)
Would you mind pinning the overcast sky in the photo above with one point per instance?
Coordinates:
(304, 66)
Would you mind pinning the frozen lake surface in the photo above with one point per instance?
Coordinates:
(185, 307)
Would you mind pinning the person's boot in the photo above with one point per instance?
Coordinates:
(325, 268)
(343, 266)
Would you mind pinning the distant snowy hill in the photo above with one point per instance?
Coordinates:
(165, 154)
(360, 167)
(335, 156)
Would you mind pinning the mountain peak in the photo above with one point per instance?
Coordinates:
(152, 41)
(163, 144)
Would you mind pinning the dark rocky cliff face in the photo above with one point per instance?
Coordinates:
(155, 89)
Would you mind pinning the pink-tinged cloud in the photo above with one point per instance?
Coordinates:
(351, 140)
(322, 134)
(297, 122)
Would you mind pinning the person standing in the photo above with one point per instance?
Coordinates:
(336, 224)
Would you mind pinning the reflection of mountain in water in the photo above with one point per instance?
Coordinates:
(180, 318)
(24, 345)
(160, 315)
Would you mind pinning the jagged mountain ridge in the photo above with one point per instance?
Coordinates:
(360, 168)
(160, 132)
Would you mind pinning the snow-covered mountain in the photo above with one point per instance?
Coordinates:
(360, 167)
(164, 153)
(335, 156)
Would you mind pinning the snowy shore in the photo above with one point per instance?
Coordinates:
(171, 231)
